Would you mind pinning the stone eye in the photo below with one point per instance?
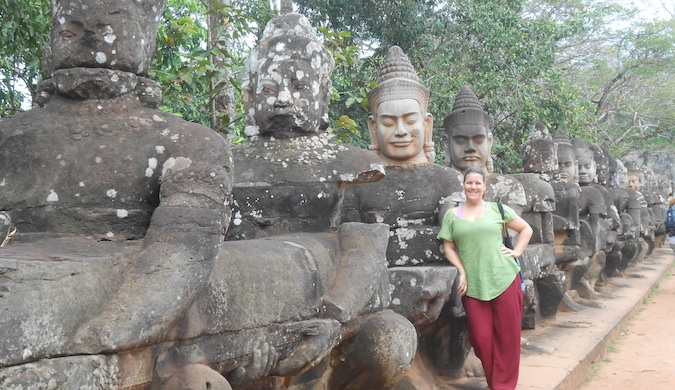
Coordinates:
(67, 34)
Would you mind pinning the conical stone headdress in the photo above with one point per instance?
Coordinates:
(398, 80)
(466, 110)
(581, 149)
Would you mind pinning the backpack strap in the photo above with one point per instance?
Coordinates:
(501, 211)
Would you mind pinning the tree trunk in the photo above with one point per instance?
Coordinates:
(222, 103)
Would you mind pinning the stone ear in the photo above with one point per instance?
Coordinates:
(489, 141)
(428, 127)
(372, 126)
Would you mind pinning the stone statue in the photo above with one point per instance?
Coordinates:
(468, 142)
(288, 197)
(121, 204)
(571, 257)
(636, 185)
(540, 162)
(409, 199)
(617, 261)
(596, 239)
(158, 299)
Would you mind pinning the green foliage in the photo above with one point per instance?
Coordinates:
(562, 62)
(351, 80)
(184, 63)
(23, 33)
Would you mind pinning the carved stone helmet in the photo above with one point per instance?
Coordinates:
(466, 109)
(540, 154)
(397, 80)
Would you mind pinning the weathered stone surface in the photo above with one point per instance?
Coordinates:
(294, 184)
(409, 200)
(49, 286)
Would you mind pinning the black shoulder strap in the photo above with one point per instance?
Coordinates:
(501, 208)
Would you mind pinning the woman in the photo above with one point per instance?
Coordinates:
(489, 281)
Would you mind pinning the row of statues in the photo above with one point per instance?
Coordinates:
(151, 253)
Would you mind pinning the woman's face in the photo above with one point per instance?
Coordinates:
(474, 186)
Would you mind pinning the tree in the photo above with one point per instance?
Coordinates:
(507, 55)
(23, 32)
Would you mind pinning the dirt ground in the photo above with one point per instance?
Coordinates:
(643, 356)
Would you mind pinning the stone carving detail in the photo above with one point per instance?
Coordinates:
(139, 250)
(409, 199)
(120, 208)
(468, 142)
(288, 200)
(160, 301)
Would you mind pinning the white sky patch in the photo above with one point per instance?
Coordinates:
(111, 193)
(160, 149)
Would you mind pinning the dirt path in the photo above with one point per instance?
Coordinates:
(643, 356)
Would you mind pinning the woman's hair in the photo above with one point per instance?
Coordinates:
(475, 169)
(671, 201)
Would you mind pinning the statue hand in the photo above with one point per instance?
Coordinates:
(263, 360)
(434, 297)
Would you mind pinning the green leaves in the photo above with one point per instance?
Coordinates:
(23, 33)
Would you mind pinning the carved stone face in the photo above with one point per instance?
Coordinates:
(587, 170)
(633, 182)
(289, 98)
(469, 145)
(113, 37)
(401, 130)
(566, 165)
(620, 175)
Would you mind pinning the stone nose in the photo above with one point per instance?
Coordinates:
(284, 97)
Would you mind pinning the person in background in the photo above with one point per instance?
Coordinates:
(670, 222)
(489, 278)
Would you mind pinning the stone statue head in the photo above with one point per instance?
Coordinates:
(567, 166)
(620, 175)
(635, 176)
(540, 154)
(400, 127)
(468, 137)
(112, 34)
(287, 87)
(601, 158)
(586, 166)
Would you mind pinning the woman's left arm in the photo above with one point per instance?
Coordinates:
(524, 234)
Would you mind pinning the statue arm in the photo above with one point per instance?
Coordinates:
(179, 250)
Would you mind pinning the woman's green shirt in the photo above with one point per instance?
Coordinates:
(488, 271)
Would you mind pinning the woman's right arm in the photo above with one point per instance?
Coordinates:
(452, 256)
